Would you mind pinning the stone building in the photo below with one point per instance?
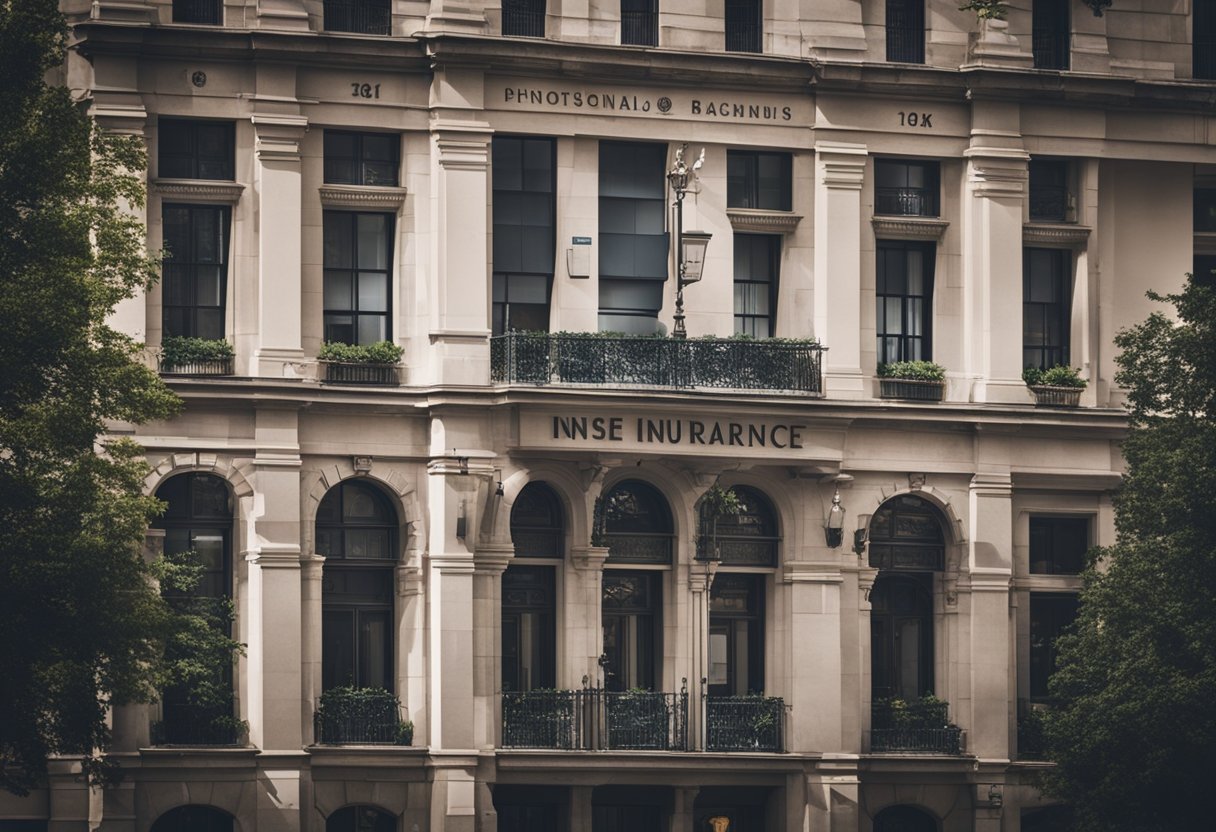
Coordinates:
(509, 530)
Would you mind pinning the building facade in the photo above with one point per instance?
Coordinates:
(521, 530)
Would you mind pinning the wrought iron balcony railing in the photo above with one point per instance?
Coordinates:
(205, 12)
(372, 17)
(1049, 203)
(608, 360)
(191, 725)
(917, 727)
(595, 719)
(639, 28)
(1050, 49)
(360, 716)
(202, 367)
(524, 18)
(906, 202)
(350, 372)
(744, 723)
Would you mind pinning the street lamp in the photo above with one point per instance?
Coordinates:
(690, 245)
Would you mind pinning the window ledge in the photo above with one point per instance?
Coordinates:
(362, 196)
(1059, 234)
(909, 228)
(770, 222)
(199, 190)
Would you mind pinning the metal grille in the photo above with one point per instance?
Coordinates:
(186, 725)
(744, 723)
(338, 372)
(594, 718)
(639, 28)
(205, 12)
(906, 202)
(523, 18)
(212, 367)
(367, 18)
(743, 27)
(906, 31)
(921, 727)
(362, 723)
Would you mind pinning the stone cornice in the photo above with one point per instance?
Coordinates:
(766, 222)
(198, 190)
(909, 228)
(1055, 234)
(362, 196)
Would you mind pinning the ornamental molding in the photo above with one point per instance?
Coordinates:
(770, 222)
(909, 228)
(198, 190)
(362, 196)
(1056, 235)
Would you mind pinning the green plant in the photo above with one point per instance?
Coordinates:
(176, 351)
(355, 714)
(405, 732)
(715, 503)
(912, 370)
(381, 352)
(986, 9)
(1058, 376)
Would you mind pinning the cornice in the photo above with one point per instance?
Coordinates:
(198, 190)
(1056, 235)
(761, 221)
(909, 228)
(361, 196)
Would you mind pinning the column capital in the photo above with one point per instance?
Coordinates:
(992, 484)
(453, 563)
(589, 558)
(841, 166)
(492, 559)
(278, 136)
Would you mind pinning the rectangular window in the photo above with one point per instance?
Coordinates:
(524, 177)
(640, 22)
(1205, 209)
(1050, 34)
(1205, 269)
(906, 31)
(194, 283)
(357, 291)
(191, 149)
(361, 158)
(904, 292)
(744, 25)
(362, 17)
(631, 606)
(1203, 58)
(1046, 289)
(523, 18)
(633, 239)
(1050, 616)
(757, 264)
(204, 12)
(906, 188)
(736, 635)
(756, 179)
(1058, 545)
(1051, 198)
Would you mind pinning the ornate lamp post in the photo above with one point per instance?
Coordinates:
(690, 245)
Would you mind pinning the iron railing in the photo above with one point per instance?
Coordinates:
(1049, 203)
(523, 18)
(365, 18)
(726, 363)
(906, 202)
(341, 372)
(206, 367)
(639, 28)
(546, 719)
(595, 719)
(190, 725)
(916, 727)
(744, 723)
(1050, 48)
(379, 726)
(205, 12)
(906, 31)
(743, 26)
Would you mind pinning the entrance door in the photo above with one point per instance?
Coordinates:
(736, 635)
(901, 636)
(631, 627)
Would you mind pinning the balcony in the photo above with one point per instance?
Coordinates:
(204, 12)
(595, 719)
(745, 723)
(192, 725)
(906, 202)
(360, 716)
(629, 361)
(353, 372)
(523, 19)
(639, 28)
(367, 18)
(916, 727)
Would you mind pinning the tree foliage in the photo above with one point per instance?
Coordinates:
(1134, 737)
(82, 624)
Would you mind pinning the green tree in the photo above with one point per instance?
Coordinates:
(82, 624)
(1134, 737)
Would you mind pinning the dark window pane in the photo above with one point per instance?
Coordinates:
(361, 158)
(192, 149)
(758, 180)
(904, 290)
(1046, 289)
(195, 270)
(362, 240)
(1050, 616)
(906, 188)
(1058, 545)
(906, 31)
(757, 259)
(1050, 34)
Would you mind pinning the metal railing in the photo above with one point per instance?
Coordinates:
(639, 28)
(595, 719)
(524, 18)
(367, 18)
(187, 725)
(916, 727)
(205, 12)
(1049, 202)
(906, 202)
(208, 367)
(725, 363)
(744, 723)
(341, 372)
(1050, 48)
(906, 31)
(381, 727)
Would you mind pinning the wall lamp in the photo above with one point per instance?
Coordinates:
(995, 798)
(690, 245)
(833, 528)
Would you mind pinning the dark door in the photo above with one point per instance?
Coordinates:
(901, 636)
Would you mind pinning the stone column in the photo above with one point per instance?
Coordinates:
(700, 582)
(582, 619)
(682, 815)
(580, 808)
(288, 15)
(990, 558)
(69, 796)
(277, 184)
(453, 791)
(866, 576)
(490, 561)
(312, 569)
(839, 174)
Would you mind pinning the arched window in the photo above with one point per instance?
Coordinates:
(748, 538)
(901, 636)
(357, 533)
(193, 819)
(360, 819)
(529, 632)
(536, 522)
(904, 819)
(638, 523)
(906, 535)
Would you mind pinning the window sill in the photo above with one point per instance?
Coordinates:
(1057, 234)
(763, 221)
(199, 190)
(909, 228)
(362, 196)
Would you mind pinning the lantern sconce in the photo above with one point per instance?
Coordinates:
(833, 528)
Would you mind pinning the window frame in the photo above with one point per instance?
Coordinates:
(640, 23)
(170, 265)
(359, 17)
(927, 199)
(769, 316)
(743, 180)
(906, 342)
(1044, 655)
(191, 153)
(907, 15)
(1056, 526)
(198, 12)
(502, 278)
(1203, 41)
(1050, 354)
(1051, 34)
(523, 18)
(354, 271)
(723, 621)
(359, 159)
(1051, 190)
(743, 26)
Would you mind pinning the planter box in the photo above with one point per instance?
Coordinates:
(341, 372)
(907, 388)
(212, 367)
(1048, 396)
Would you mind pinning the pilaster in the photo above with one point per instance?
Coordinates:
(700, 582)
(990, 556)
(466, 17)
(489, 563)
(582, 617)
(312, 568)
(287, 15)
(814, 664)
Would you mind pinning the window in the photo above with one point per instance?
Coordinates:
(757, 263)
(1203, 58)
(531, 808)
(640, 22)
(1050, 34)
(536, 523)
(358, 258)
(756, 179)
(529, 651)
(906, 535)
(736, 635)
(633, 239)
(630, 809)
(1051, 198)
(195, 270)
(906, 188)
(1058, 545)
(748, 538)
(361, 158)
(904, 293)
(356, 532)
(363, 17)
(360, 819)
(1204, 269)
(1050, 616)
(632, 624)
(1046, 286)
(1205, 209)
(901, 636)
(744, 25)
(523, 18)
(205, 12)
(524, 232)
(906, 31)
(189, 149)
(637, 521)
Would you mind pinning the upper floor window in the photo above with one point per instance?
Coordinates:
(358, 261)
(1205, 209)
(360, 819)
(205, 12)
(633, 236)
(757, 264)
(536, 522)
(523, 18)
(1046, 287)
(1058, 545)
(904, 292)
(744, 25)
(757, 179)
(640, 22)
(362, 17)
(1203, 59)
(1050, 615)
(524, 178)
(906, 188)
(1050, 34)
(194, 286)
(1051, 198)
(748, 538)
(638, 523)
(906, 31)
(191, 149)
(361, 158)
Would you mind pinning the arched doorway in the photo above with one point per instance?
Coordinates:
(904, 819)
(529, 651)
(194, 819)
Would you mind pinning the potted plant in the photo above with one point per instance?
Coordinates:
(919, 380)
(1058, 386)
(986, 9)
(717, 502)
(376, 363)
(195, 356)
(361, 716)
